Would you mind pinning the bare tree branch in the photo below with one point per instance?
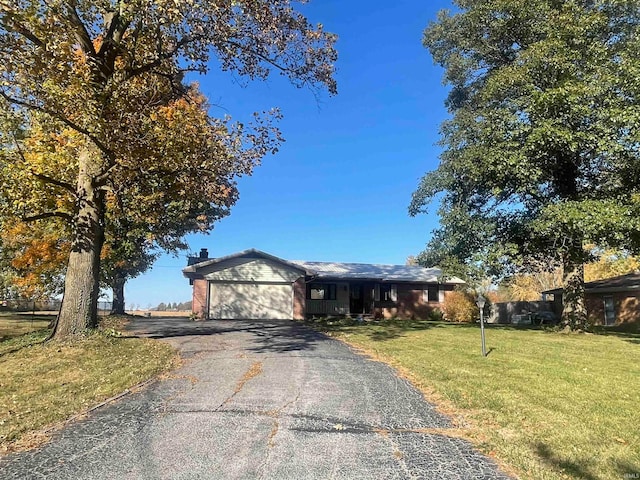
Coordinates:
(101, 180)
(270, 61)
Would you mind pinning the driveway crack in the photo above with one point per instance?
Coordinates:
(254, 370)
(397, 453)
(275, 414)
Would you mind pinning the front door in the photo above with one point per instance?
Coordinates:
(355, 298)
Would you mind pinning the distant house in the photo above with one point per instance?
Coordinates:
(255, 285)
(612, 301)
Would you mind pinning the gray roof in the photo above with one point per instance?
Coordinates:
(195, 265)
(335, 270)
(400, 273)
(622, 283)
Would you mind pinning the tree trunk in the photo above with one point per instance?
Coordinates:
(79, 310)
(574, 313)
(117, 285)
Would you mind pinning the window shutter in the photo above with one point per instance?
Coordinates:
(376, 292)
(394, 293)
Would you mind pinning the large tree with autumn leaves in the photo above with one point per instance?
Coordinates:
(93, 100)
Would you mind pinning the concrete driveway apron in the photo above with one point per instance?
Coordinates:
(259, 400)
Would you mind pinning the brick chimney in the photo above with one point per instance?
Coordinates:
(202, 256)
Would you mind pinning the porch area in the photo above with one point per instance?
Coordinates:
(340, 298)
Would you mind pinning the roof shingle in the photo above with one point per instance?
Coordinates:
(406, 273)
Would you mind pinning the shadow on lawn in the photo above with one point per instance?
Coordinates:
(627, 332)
(571, 468)
(623, 468)
(626, 469)
(11, 345)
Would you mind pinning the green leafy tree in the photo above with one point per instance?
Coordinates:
(103, 76)
(541, 153)
(8, 290)
(125, 255)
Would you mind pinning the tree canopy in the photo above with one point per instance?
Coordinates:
(33, 259)
(95, 116)
(605, 264)
(541, 153)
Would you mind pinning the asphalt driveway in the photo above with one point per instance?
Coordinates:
(259, 400)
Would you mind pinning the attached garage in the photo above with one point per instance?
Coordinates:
(250, 285)
(256, 301)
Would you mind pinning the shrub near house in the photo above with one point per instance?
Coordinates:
(459, 306)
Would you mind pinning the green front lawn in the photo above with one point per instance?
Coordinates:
(549, 405)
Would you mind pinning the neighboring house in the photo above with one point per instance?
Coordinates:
(255, 285)
(612, 301)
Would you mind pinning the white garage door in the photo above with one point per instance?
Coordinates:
(250, 300)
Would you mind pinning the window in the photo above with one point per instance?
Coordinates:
(386, 292)
(432, 293)
(318, 291)
(609, 311)
(315, 292)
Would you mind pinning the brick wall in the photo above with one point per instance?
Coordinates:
(299, 295)
(199, 305)
(626, 305)
(411, 303)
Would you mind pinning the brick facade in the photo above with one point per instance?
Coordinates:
(411, 303)
(299, 295)
(620, 294)
(626, 307)
(199, 300)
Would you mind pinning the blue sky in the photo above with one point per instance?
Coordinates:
(339, 188)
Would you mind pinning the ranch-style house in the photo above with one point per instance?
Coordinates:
(255, 285)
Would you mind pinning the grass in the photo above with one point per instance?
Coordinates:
(548, 405)
(16, 324)
(45, 383)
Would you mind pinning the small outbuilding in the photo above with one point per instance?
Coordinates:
(256, 285)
